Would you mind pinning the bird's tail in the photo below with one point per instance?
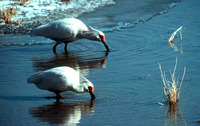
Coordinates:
(39, 31)
(33, 78)
(33, 33)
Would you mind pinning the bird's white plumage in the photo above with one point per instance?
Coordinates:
(68, 30)
(60, 79)
(64, 29)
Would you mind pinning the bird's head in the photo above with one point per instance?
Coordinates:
(98, 36)
(91, 91)
(87, 86)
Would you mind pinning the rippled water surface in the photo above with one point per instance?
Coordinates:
(127, 81)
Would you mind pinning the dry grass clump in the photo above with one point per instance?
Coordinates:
(7, 13)
(65, 1)
(22, 2)
(171, 88)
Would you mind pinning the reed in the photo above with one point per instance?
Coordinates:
(7, 13)
(171, 40)
(171, 88)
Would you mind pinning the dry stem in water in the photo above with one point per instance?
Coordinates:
(171, 40)
(171, 88)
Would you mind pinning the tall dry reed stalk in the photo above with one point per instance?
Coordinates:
(171, 40)
(171, 88)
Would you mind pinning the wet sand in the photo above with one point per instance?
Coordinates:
(127, 81)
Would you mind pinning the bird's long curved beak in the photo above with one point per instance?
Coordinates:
(92, 95)
(105, 44)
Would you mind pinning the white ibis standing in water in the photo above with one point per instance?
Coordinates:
(68, 30)
(60, 79)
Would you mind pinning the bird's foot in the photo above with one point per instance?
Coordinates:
(59, 96)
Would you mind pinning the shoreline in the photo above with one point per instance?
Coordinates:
(32, 14)
(25, 28)
(127, 81)
(25, 39)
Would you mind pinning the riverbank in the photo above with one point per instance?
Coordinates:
(127, 81)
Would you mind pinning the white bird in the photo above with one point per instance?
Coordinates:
(68, 30)
(60, 79)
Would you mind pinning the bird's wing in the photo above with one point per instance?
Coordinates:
(58, 30)
(82, 79)
(64, 29)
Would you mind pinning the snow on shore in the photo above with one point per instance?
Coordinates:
(38, 12)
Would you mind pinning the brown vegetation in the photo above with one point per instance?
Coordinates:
(22, 2)
(172, 88)
(65, 1)
(7, 13)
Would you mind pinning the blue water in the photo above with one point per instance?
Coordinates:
(127, 81)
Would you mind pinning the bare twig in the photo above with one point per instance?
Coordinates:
(173, 35)
(181, 81)
(171, 40)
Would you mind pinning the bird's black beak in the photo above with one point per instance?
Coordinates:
(92, 95)
(105, 44)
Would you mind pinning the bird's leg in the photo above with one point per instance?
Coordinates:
(58, 95)
(65, 47)
(54, 48)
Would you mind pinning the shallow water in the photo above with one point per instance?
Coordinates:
(127, 81)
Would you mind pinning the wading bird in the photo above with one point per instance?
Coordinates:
(68, 30)
(60, 79)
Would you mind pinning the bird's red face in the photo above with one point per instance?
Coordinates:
(103, 40)
(102, 37)
(91, 91)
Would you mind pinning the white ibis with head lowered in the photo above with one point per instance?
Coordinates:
(60, 79)
(68, 30)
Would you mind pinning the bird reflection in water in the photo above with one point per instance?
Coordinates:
(63, 113)
(80, 62)
(172, 116)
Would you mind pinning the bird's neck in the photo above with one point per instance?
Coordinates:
(86, 34)
(79, 88)
(83, 85)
